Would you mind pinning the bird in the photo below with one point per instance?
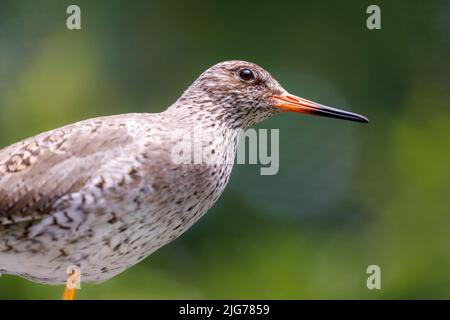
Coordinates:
(103, 194)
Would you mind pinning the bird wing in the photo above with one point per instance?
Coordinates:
(37, 171)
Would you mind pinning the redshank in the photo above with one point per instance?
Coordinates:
(104, 193)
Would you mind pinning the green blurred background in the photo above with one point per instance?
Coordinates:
(347, 195)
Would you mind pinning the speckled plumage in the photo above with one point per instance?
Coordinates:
(104, 193)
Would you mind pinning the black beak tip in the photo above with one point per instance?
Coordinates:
(356, 117)
(364, 119)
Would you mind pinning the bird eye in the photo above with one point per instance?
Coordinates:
(246, 75)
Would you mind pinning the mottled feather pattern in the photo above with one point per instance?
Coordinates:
(104, 193)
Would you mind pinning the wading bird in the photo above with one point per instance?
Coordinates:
(104, 193)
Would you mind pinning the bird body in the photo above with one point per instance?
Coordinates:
(104, 193)
(106, 196)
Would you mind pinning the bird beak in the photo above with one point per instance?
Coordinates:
(288, 102)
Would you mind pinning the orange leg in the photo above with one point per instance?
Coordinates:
(69, 294)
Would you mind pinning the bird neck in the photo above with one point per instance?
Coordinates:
(211, 137)
(216, 116)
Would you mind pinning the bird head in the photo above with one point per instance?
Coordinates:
(243, 93)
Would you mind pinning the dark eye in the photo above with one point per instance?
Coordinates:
(246, 75)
